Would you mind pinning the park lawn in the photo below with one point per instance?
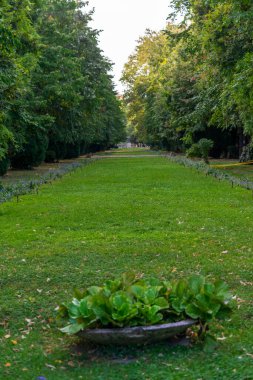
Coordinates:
(146, 215)
(15, 176)
(129, 151)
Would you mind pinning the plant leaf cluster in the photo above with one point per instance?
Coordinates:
(130, 301)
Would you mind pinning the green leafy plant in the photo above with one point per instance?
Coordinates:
(205, 145)
(193, 151)
(130, 301)
(201, 149)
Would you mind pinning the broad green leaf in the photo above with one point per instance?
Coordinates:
(85, 307)
(181, 288)
(209, 289)
(196, 283)
(138, 291)
(162, 303)
(150, 295)
(193, 311)
(73, 311)
(72, 329)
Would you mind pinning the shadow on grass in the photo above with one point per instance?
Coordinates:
(90, 353)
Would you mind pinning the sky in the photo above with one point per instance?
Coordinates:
(122, 22)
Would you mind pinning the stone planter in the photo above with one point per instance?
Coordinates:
(135, 335)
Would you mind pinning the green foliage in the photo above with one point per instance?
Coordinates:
(4, 165)
(56, 91)
(193, 151)
(130, 301)
(205, 146)
(6, 138)
(200, 149)
(195, 81)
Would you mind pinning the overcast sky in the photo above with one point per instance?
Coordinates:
(123, 22)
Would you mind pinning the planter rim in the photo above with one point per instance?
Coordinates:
(157, 327)
(136, 334)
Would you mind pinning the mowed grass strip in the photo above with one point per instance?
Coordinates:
(148, 216)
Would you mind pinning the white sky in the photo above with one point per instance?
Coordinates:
(123, 22)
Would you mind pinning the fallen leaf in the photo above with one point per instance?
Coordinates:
(14, 342)
(50, 366)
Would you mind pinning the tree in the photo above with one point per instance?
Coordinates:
(17, 60)
(57, 98)
(197, 82)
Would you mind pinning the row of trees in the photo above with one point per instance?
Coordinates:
(57, 99)
(195, 79)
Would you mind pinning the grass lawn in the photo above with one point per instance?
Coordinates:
(147, 215)
(14, 176)
(243, 171)
(129, 151)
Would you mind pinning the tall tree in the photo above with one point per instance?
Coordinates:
(18, 50)
(56, 94)
(200, 85)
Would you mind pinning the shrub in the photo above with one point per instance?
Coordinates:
(193, 151)
(200, 149)
(205, 145)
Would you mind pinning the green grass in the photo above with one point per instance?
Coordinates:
(243, 171)
(14, 176)
(151, 216)
(129, 151)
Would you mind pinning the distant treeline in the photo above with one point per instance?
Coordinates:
(57, 98)
(193, 82)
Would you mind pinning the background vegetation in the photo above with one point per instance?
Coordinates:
(194, 80)
(56, 94)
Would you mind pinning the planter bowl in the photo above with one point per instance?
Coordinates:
(135, 335)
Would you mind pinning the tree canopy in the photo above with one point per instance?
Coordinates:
(194, 79)
(57, 98)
